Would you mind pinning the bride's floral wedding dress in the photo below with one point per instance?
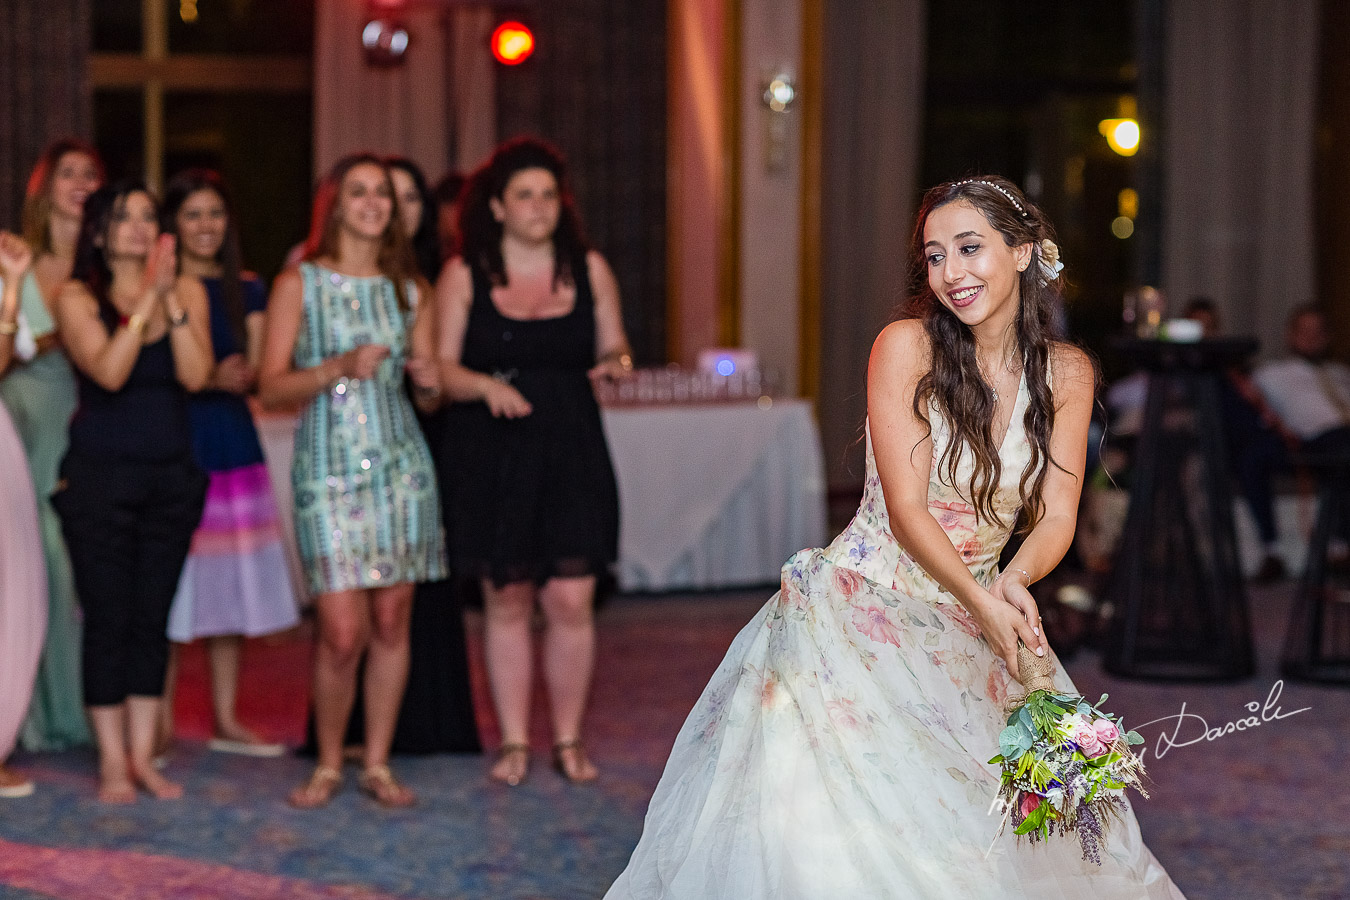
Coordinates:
(840, 749)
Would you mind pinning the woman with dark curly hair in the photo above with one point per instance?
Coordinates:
(529, 318)
(840, 750)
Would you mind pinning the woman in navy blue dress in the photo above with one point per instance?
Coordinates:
(235, 582)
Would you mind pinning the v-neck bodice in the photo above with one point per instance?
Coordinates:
(869, 547)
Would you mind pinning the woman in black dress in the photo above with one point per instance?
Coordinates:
(529, 316)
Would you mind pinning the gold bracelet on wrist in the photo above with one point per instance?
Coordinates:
(136, 323)
(9, 328)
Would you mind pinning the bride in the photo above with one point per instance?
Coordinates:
(840, 749)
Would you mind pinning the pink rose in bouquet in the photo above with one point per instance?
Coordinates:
(1107, 732)
(1082, 733)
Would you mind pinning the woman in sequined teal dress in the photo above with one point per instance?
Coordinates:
(343, 326)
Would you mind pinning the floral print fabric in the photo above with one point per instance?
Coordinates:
(840, 749)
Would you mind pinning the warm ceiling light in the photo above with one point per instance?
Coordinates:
(1121, 134)
(512, 43)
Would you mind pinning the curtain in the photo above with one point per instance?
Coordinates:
(402, 110)
(473, 86)
(596, 87)
(874, 87)
(44, 86)
(1241, 83)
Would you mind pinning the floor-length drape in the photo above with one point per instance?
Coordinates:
(1241, 84)
(874, 87)
(44, 87)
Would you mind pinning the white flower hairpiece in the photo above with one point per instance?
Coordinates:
(1049, 262)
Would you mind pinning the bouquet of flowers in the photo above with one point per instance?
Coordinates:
(1065, 763)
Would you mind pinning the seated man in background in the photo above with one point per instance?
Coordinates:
(1309, 391)
(1256, 440)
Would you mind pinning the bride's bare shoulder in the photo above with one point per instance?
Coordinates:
(905, 343)
(1072, 371)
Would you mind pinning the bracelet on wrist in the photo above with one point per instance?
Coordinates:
(134, 323)
(178, 319)
(9, 328)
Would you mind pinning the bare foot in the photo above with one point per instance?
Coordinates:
(120, 792)
(512, 765)
(157, 785)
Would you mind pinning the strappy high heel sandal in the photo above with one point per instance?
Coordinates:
(511, 752)
(579, 769)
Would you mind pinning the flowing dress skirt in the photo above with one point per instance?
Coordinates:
(841, 750)
(23, 587)
(40, 397)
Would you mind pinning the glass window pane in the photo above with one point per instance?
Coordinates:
(117, 26)
(119, 131)
(240, 26)
(261, 143)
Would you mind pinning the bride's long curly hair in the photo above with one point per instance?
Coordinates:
(953, 384)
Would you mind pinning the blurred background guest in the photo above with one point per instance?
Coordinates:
(23, 579)
(235, 582)
(341, 328)
(131, 493)
(437, 714)
(39, 391)
(1256, 441)
(416, 214)
(529, 315)
(447, 193)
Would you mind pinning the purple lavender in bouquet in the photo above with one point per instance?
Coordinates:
(1065, 763)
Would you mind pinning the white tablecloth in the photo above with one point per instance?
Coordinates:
(717, 495)
(710, 496)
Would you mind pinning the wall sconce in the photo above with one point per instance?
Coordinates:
(779, 94)
(384, 38)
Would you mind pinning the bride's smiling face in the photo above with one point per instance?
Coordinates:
(971, 269)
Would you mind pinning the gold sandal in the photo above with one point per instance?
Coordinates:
(576, 773)
(379, 784)
(318, 789)
(510, 751)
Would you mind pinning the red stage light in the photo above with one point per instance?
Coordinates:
(512, 43)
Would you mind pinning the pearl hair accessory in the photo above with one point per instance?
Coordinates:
(1001, 190)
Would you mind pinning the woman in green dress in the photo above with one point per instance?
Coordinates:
(39, 392)
(342, 328)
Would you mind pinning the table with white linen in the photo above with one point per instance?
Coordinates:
(711, 496)
(716, 495)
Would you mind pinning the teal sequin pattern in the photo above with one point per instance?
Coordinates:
(367, 512)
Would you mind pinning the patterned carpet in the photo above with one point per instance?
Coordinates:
(1260, 814)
